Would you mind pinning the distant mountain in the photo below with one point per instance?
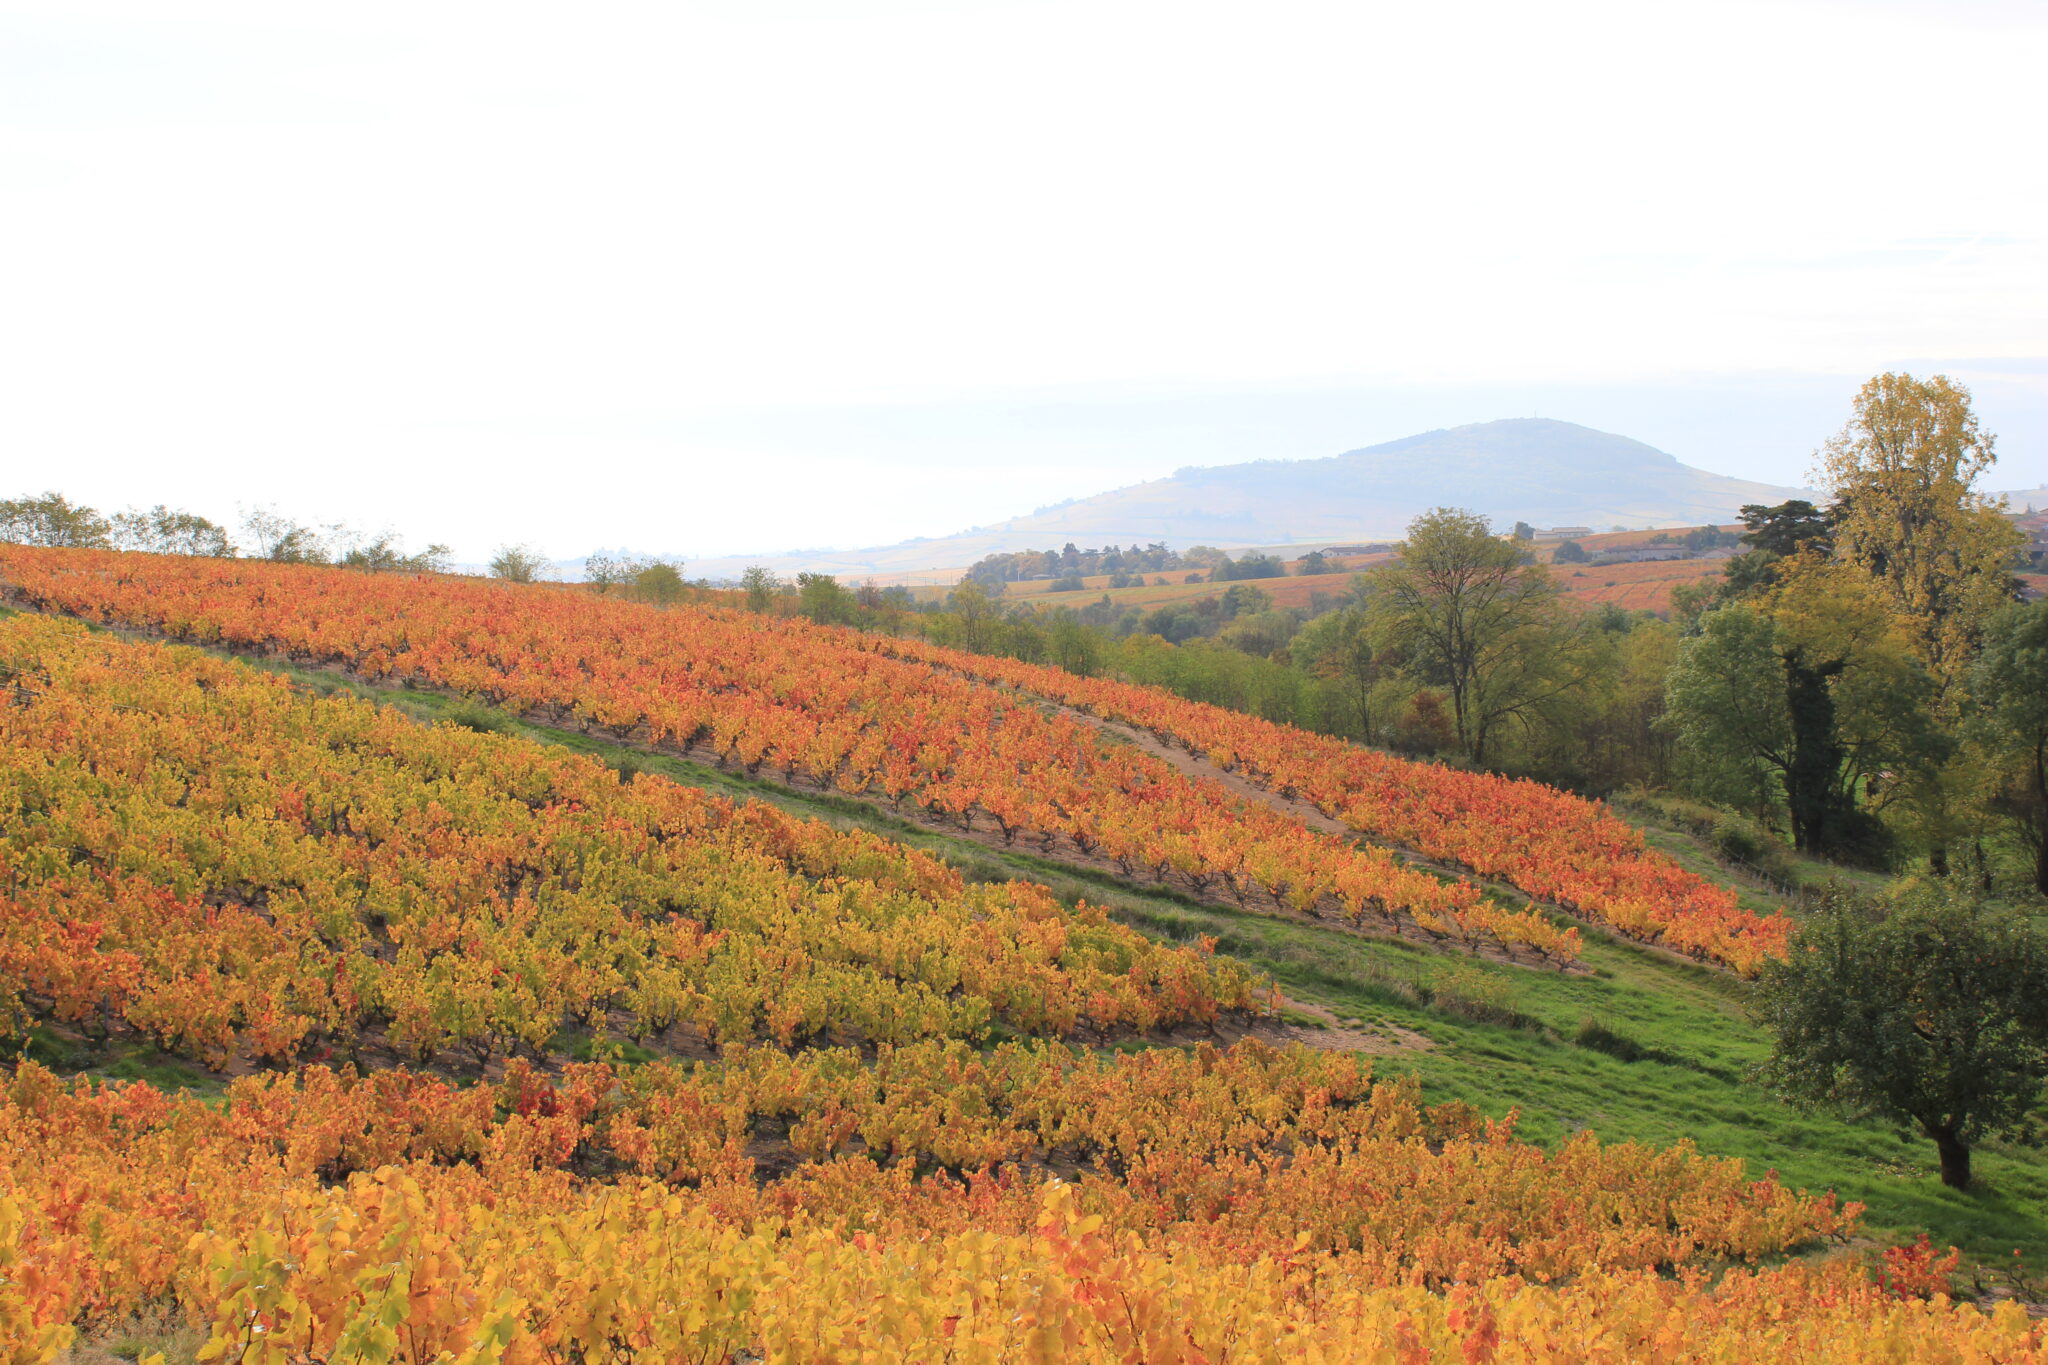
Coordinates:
(1544, 472)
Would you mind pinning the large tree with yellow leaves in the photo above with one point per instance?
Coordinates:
(1941, 554)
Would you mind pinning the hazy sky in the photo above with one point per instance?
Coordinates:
(733, 277)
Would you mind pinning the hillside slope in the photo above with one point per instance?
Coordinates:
(1530, 469)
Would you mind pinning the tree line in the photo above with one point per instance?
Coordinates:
(53, 519)
(1127, 568)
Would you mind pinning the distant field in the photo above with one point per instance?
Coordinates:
(1635, 587)
(1285, 592)
(1621, 540)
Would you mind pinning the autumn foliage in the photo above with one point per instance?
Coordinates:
(197, 851)
(1250, 1204)
(391, 927)
(855, 713)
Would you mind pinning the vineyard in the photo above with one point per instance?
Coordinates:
(782, 696)
(1546, 843)
(196, 851)
(1295, 590)
(524, 1058)
(903, 721)
(1247, 1204)
(1635, 587)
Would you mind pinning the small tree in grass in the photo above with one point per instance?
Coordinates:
(518, 564)
(762, 587)
(660, 583)
(1934, 1016)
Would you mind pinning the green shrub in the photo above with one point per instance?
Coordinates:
(1737, 839)
(485, 720)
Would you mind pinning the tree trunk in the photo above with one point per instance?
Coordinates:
(2037, 835)
(1812, 795)
(1955, 1158)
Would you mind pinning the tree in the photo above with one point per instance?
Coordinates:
(2010, 687)
(1901, 471)
(659, 582)
(1935, 1016)
(1807, 697)
(280, 539)
(1787, 528)
(163, 531)
(53, 519)
(386, 554)
(1523, 531)
(605, 571)
(1261, 633)
(762, 587)
(1073, 646)
(1251, 566)
(1701, 539)
(1314, 562)
(1619, 738)
(978, 614)
(518, 564)
(1241, 599)
(1338, 646)
(1172, 624)
(1726, 708)
(1570, 552)
(1859, 706)
(1463, 601)
(821, 597)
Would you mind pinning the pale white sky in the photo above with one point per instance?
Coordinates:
(719, 278)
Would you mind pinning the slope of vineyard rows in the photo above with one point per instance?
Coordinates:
(1548, 843)
(1251, 1204)
(383, 936)
(902, 721)
(237, 870)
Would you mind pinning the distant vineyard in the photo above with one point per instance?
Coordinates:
(790, 698)
(1635, 587)
(1291, 592)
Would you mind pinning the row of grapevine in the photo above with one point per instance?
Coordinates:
(781, 695)
(1231, 1163)
(1548, 843)
(193, 849)
(635, 1275)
